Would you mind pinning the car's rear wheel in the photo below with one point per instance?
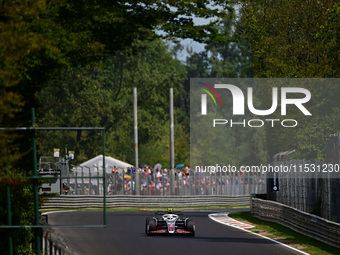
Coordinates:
(150, 225)
(190, 225)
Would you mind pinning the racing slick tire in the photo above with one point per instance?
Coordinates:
(150, 225)
(190, 226)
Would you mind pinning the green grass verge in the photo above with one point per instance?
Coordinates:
(285, 235)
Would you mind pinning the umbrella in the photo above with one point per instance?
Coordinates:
(158, 165)
(180, 165)
(128, 177)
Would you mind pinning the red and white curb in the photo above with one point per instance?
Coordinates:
(223, 218)
(226, 220)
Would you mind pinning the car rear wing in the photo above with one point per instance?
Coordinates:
(169, 212)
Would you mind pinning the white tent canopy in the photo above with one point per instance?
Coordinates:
(95, 165)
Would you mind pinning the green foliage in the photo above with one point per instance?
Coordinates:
(16, 42)
(228, 59)
(223, 145)
(21, 215)
(329, 34)
(48, 50)
(311, 140)
(102, 96)
(289, 38)
(297, 39)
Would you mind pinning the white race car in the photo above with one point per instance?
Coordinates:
(169, 223)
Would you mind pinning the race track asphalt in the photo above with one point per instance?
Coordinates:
(124, 234)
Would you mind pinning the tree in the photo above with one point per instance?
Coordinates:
(329, 35)
(102, 96)
(228, 59)
(40, 39)
(285, 37)
(297, 39)
(17, 41)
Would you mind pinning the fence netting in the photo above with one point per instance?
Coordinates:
(316, 193)
(161, 183)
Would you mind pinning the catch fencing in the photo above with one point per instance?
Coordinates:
(83, 201)
(316, 193)
(313, 195)
(304, 223)
(162, 184)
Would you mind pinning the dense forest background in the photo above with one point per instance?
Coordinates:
(76, 62)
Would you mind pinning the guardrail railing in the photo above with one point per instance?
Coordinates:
(304, 223)
(83, 201)
(53, 244)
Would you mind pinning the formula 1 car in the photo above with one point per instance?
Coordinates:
(169, 223)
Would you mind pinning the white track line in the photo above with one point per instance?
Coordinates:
(273, 240)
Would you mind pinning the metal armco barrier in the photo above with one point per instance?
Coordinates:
(83, 201)
(304, 223)
(53, 244)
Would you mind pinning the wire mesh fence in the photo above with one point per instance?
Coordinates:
(316, 193)
(162, 183)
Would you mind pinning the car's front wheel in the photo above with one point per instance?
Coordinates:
(150, 225)
(190, 225)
